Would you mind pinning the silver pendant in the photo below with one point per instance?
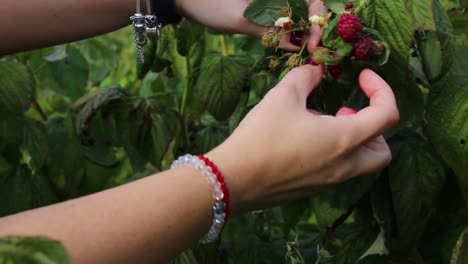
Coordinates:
(153, 27)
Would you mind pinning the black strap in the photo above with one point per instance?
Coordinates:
(166, 11)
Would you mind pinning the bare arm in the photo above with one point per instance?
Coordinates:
(33, 24)
(147, 221)
(30, 24)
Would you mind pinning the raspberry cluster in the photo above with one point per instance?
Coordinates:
(349, 40)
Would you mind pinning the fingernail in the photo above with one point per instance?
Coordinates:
(296, 38)
(310, 62)
(346, 111)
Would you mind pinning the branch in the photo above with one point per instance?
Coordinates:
(38, 108)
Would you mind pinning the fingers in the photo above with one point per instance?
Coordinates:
(316, 8)
(302, 80)
(381, 114)
(375, 155)
(346, 111)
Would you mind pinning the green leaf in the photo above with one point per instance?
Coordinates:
(65, 161)
(150, 131)
(416, 178)
(431, 54)
(33, 250)
(35, 142)
(392, 20)
(446, 36)
(17, 88)
(167, 50)
(335, 202)
(220, 84)
(262, 82)
(92, 103)
(208, 138)
(337, 6)
(448, 130)
(71, 73)
(21, 191)
(300, 10)
(422, 14)
(187, 34)
(265, 12)
(100, 57)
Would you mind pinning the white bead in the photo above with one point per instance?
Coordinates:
(218, 195)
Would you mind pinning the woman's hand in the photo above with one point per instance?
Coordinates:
(282, 150)
(228, 16)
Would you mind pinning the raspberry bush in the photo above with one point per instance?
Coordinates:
(82, 117)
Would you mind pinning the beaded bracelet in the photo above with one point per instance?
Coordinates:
(221, 207)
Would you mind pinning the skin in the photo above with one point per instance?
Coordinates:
(280, 151)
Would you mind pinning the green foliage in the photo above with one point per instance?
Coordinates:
(82, 117)
(36, 250)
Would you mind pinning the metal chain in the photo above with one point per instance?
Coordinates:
(144, 27)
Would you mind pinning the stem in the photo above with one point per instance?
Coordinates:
(38, 108)
(224, 49)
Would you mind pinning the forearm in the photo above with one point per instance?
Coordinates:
(30, 24)
(147, 221)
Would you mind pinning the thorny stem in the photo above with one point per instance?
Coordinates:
(38, 108)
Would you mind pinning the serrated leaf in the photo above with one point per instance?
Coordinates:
(220, 84)
(431, 54)
(71, 73)
(265, 12)
(416, 178)
(422, 14)
(21, 191)
(17, 88)
(392, 20)
(35, 142)
(33, 250)
(447, 125)
(92, 103)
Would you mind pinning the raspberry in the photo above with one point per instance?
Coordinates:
(349, 27)
(349, 6)
(294, 61)
(270, 40)
(320, 55)
(335, 70)
(274, 64)
(285, 11)
(363, 48)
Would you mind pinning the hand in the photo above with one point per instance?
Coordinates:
(282, 150)
(228, 16)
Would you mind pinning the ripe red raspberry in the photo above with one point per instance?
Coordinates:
(363, 48)
(349, 6)
(349, 27)
(335, 70)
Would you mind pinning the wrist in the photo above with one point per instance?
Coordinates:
(240, 172)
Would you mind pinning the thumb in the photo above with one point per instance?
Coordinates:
(302, 80)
